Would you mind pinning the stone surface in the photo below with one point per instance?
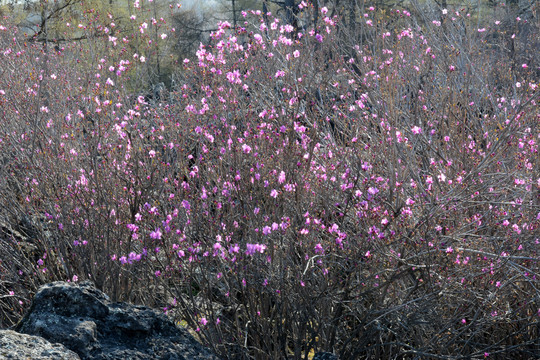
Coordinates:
(84, 320)
(15, 346)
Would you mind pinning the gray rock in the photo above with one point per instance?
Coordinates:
(15, 346)
(84, 320)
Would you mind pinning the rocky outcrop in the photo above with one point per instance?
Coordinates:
(84, 320)
(15, 346)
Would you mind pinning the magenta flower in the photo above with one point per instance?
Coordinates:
(333, 228)
(246, 148)
(156, 235)
(252, 248)
(186, 205)
(134, 257)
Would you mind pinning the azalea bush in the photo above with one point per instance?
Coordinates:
(294, 192)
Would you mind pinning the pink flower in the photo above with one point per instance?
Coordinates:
(274, 193)
(246, 148)
(288, 28)
(186, 205)
(252, 248)
(156, 234)
(416, 130)
(281, 178)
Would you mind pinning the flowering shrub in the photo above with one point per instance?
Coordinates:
(294, 193)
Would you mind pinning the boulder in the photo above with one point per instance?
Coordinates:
(15, 346)
(84, 320)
